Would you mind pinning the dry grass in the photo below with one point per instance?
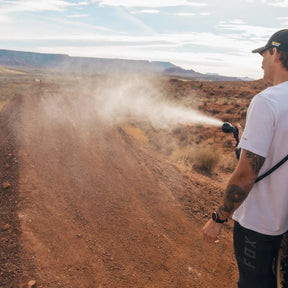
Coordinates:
(206, 158)
(203, 158)
(228, 162)
(183, 156)
(137, 134)
(3, 104)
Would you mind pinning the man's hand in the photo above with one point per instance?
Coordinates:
(211, 230)
(240, 132)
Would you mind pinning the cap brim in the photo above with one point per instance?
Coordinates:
(259, 50)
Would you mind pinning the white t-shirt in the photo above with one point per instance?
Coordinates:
(265, 210)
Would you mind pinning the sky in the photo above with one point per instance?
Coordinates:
(208, 36)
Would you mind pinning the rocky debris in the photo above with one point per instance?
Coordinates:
(32, 284)
(6, 185)
(6, 227)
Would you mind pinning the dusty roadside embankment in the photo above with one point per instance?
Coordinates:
(90, 207)
(10, 262)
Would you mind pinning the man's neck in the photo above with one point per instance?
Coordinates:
(280, 77)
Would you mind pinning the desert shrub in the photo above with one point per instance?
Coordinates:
(163, 142)
(206, 158)
(214, 111)
(183, 156)
(185, 136)
(228, 162)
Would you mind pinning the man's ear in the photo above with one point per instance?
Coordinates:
(276, 55)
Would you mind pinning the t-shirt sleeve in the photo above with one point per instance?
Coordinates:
(260, 123)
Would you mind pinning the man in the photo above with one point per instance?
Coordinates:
(260, 210)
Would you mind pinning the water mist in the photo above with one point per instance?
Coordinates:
(140, 99)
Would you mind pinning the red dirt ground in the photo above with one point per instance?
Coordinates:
(84, 204)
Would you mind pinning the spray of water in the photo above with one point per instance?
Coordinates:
(141, 99)
(114, 100)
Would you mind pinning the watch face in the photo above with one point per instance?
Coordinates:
(215, 216)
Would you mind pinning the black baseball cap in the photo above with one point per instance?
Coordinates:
(278, 40)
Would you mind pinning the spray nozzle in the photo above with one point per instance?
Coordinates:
(228, 128)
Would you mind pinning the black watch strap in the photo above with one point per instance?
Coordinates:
(215, 217)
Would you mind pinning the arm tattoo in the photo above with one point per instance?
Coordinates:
(234, 194)
(255, 161)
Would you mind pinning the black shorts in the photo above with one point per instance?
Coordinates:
(256, 257)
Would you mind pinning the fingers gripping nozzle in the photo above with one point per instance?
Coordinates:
(228, 128)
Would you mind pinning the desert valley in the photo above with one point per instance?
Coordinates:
(107, 180)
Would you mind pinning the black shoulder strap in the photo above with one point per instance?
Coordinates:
(272, 169)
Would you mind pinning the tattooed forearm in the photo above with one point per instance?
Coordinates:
(255, 161)
(233, 195)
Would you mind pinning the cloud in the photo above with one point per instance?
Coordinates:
(118, 28)
(4, 18)
(77, 16)
(188, 43)
(146, 11)
(148, 3)
(183, 14)
(9, 7)
(245, 30)
(136, 22)
(282, 4)
(283, 20)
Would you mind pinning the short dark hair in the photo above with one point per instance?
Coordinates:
(283, 57)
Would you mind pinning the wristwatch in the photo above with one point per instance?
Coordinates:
(215, 218)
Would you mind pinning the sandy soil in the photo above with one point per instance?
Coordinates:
(85, 204)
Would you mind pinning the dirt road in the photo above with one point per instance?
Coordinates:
(88, 206)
